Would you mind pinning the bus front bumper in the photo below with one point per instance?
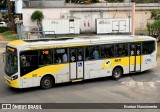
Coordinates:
(12, 83)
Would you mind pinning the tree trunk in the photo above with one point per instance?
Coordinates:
(11, 18)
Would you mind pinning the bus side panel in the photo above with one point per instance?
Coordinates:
(103, 68)
(112, 63)
(138, 63)
(92, 69)
(62, 75)
(149, 61)
(27, 82)
(132, 63)
(36, 81)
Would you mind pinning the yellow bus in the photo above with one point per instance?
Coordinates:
(45, 62)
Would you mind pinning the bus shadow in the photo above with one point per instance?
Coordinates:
(23, 90)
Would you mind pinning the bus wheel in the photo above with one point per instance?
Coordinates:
(46, 82)
(117, 73)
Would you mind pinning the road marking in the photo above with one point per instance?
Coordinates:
(158, 81)
(122, 82)
(140, 84)
(152, 85)
(132, 83)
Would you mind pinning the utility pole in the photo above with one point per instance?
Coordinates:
(11, 18)
(129, 17)
(133, 17)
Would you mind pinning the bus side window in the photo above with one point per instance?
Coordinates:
(124, 49)
(61, 55)
(87, 53)
(92, 52)
(96, 52)
(121, 50)
(107, 51)
(80, 54)
(28, 61)
(24, 61)
(45, 57)
(29, 58)
(132, 50)
(72, 55)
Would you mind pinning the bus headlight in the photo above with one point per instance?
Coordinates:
(14, 77)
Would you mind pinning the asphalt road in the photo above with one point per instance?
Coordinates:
(134, 88)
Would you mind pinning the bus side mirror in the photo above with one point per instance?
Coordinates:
(3, 56)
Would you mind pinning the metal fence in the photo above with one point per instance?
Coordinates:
(32, 32)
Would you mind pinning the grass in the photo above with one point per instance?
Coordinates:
(9, 35)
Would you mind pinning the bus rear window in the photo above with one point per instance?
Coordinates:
(148, 47)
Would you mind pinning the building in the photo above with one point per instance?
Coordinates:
(87, 13)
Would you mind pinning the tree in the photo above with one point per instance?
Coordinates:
(154, 28)
(11, 16)
(155, 14)
(146, 1)
(37, 16)
(3, 4)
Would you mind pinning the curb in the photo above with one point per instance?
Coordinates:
(2, 50)
(158, 60)
(4, 41)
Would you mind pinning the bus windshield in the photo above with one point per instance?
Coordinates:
(11, 63)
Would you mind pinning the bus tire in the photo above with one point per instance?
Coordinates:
(117, 73)
(46, 82)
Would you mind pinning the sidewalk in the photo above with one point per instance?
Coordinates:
(2, 49)
(4, 41)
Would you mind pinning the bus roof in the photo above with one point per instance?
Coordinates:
(79, 41)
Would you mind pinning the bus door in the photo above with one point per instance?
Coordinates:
(135, 57)
(76, 63)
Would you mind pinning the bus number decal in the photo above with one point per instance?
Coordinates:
(45, 52)
(117, 60)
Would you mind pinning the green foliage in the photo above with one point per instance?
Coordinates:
(146, 1)
(3, 29)
(154, 28)
(10, 35)
(155, 14)
(37, 15)
(3, 4)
